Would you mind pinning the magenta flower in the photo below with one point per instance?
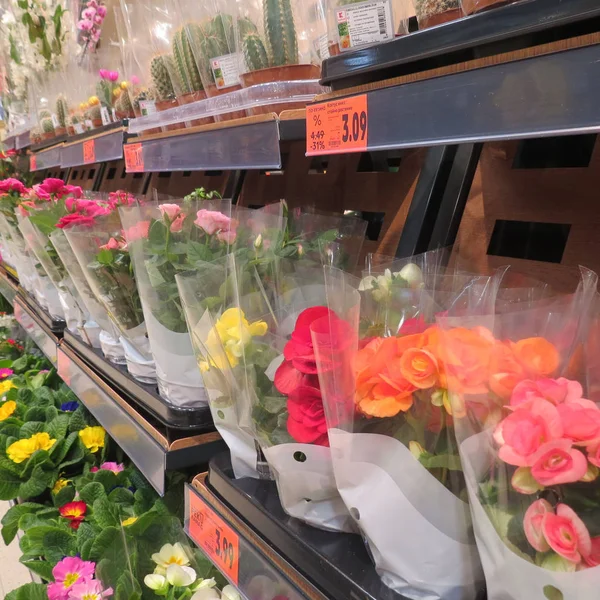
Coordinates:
(98, 20)
(12, 185)
(112, 466)
(85, 25)
(4, 373)
(69, 572)
(135, 79)
(89, 13)
(92, 3)
(94, 470)
(95, 35)
(101, 11)
(89, 590)
(113, 75)
(104, 73)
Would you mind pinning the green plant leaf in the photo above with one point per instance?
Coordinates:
(85, 532)
(107, 478)
(9, 485)
(109, 542)
(441, 461)
(59, 543)
(20, 365)
(75, 455)
(44, 395)
(30, 520)
(144, 500)
(64, 496)
(39, 457)
(41, 568)
(86, 549)
(39, 482)
(35, 413)
(57, 428)
(63, 449)
(105, 513)
(10, 521)
(30, 428)
(78, 420)
(91, 492)
(32, 591)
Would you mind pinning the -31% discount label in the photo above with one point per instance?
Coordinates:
(210, 532)
(337, 126)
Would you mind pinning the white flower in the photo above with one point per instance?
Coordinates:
(366, 284)
(204, 583)
(206, 594)
(258, 241)
(180, 576)
(412, 275)
(157, 583)
(171, 555)
(230, 593)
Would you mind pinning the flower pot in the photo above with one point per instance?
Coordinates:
(96, 123)
(212, 91)
(195, 97)
(474, 6)
(435, 12)
(48, 135)
(166, 105)
(60, 131)
(285, 73)
(70, 130)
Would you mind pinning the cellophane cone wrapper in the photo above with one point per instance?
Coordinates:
(21, 262)
(390, 424)
(102, 253)
(521, 381)
(173, 243)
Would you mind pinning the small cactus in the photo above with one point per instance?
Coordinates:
(246, 27)
(45, 113)
(161, 77)
(280, 32)
(255, 53)
(104, 93)
(47, 125)
(62, 110)
(123, 104)
(185, 62)
(94, 112)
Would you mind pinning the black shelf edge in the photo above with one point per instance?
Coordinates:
(56, 326)
(516, 26)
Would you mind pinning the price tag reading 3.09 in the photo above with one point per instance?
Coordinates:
(337, 126)
(210, 532)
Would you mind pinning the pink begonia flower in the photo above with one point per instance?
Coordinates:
(593, 560)
(85, 25)
(75, 219)
(135, 79)
(52, 185)
(75, 190)
(68, 572)
(170, 210)
(104, 73)
(89, 13)
(112, 466)
(177, 224)
(113, 75)
(581, 421)
(112, 244)
(137, 231)
(212, 221)
(556, 391)
(532, 524)
(558, 462)
(12, 185)
(566, 534)
(89, 590)
(4, 373)
(227, 236)
(522, 433)
(101, 10)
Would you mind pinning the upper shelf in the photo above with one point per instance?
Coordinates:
(45, 159)
(96, 148)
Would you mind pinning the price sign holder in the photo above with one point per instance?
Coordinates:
(32, 162)
(337, 126)
(213, 535)
(134, 158)
(89, 152)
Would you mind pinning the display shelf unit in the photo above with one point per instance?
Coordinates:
(249, 143)
(47, 158)
(8, 283)
(94, 147)
(22, 140)
(9, 143)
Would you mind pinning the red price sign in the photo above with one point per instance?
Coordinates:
(220, 543)
(32, 162)
(89, 152)
(338, 126)
(64, 367)
(18, 312)
(134, 158)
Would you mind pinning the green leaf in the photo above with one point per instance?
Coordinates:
(9, 485)
(84, 533)
(59, 543)
(51, 413)
(30, 428)
(154, 275)
(441, 461)
(26, 522)
(107, 478)
(32, 591)
(86, 549)
(78, 420)
(39, 457)
(39, 482)
(44, 395)
(92, 492)
(109, 542)
(20, 364)
(41, 568)
(59, 454)
(105, 257)
(10, 521)
(157, 233)
(64, 496)
(57, 428)
(121, 496)
(274, 404)
(198, 253)
(35, 413)
(144, 500)
(105, 513)
(75, 455)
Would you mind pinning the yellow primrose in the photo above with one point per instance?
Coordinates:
(6, 385)
(7, 409)
(93, 438)
(129, 521)
(21, 450)
(60, 484)
(234, 332)
(42, 441)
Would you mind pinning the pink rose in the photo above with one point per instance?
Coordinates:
(52, 185)
(170, 210)
(12, 185)
(137, 232)
(113, 75)
(177, 224)
(557, 462)
(121, 198)
(212, 221)
(41, 193)
(581, 420)
(556, 391)
(532, 524)
(101, 10)
(112, 244)
(75, 219)
(74, 190)
(92, 3)
(523, 432)
(566, 534)
(227, 236)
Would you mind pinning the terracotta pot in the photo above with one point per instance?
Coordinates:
(71, 130)
(475, 6)
(165, 105)
(48, 135)
(96, 123)
(439, 18)
(285, 73)
(195, 97)
(60, 130)
(212, 91)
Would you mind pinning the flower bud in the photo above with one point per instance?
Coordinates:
(591, 473)
(258, 242)
(158, 583)
(416, 449)
(524, 482)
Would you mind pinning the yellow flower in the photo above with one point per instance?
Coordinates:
(20, 451)
(129, 521)
(170, 554)
(60, 484)
(117, 92)
(124, 85)
(7, 409)
(6, 385)
(231, 333)
(93, 438)
(93, 100)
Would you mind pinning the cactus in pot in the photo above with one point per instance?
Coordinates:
(62, 111)
(161, 79)
(185, 63)
(255, 52)
(47, 125)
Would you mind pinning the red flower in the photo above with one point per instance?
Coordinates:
(75, 512)
(12, 185)
(306, 416)
(75, 219)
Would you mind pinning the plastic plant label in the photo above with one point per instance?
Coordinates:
(55, 121)
(134, 158)
(147, 107)
(105, 115)
(78, 127)
(114, 115)
(89, 152)
(210, 532)
(337, 126)
(226, 70)
(89, 124)
(32, 162)
(364, 23)
(323, 47)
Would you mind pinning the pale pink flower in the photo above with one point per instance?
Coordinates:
(96, 35)
(532, 524)
(92, 3)
(170, 210)
(177, 224)
(98, 20)
(112, 244)
(89, 590)
(556, 391)
(88, 13)
(137, 232)
(227, 236)
(566, 534)
(112, 466)
(558, 462)
(581, 420)
(593, 560)
(135, 79)
(212, 221)
(85, 25)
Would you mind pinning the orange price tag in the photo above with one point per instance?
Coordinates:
(338, 126)
(32, 162)
(210, 532)
(18, 312)
(89, 152)
(134, 158)
(63, 367)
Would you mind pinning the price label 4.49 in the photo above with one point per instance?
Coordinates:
(337, 126)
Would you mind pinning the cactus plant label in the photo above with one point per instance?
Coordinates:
(105, 116)
(337, 126)
(89, 152)
(363, 23)
(226, 70)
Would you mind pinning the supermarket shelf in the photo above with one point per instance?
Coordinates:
(87, 148)
(22, 140)
(37, 330)
(506, 29)
(249, 143)
(53, 141)
(8, 285)
(9, 143)
(46, 159)
(144, 397)
(55, 326)
(140, 439)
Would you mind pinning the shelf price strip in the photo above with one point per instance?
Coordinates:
(89, 152)
(134, 158)
(210, 532)
(337, 126)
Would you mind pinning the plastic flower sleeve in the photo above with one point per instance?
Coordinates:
(177, 236)
(13, 240)
(528, 443)
(102, 253)
(208, 316)
(395, 460)
(108, 338)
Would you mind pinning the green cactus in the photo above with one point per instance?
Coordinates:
(123, 103)
(161, 77)
(94, 112)
(47, 125)
(280, 32)
(62, 110)
(104, 92)
(45, 113)
(246, 27)
(255, 53)
(185, 63)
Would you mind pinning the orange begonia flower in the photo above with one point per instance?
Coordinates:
(537, 355)
(505, 370)
(419, 367)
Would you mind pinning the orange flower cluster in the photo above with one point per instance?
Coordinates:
(467, 361)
